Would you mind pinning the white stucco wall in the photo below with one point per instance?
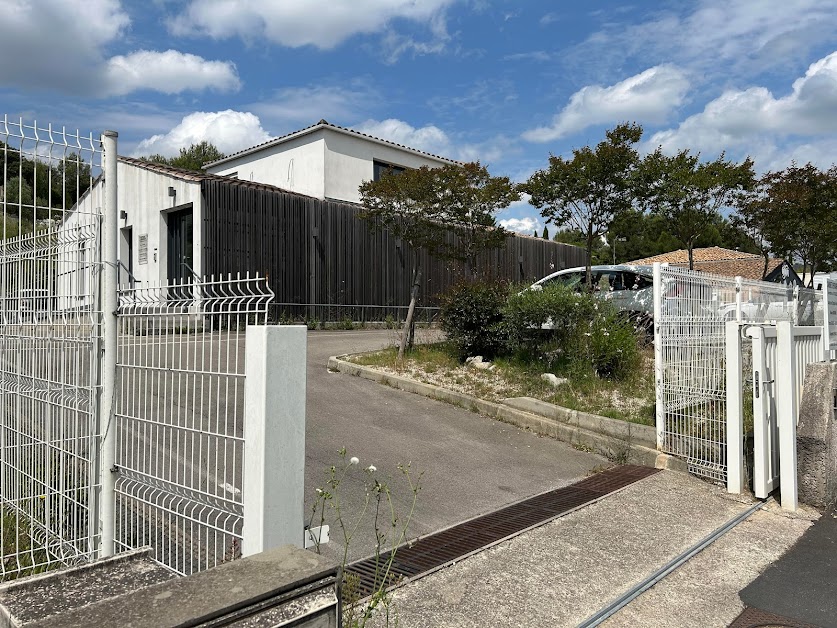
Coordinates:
(144, 196)
(349, 162)
(296, 165)
(325, 163)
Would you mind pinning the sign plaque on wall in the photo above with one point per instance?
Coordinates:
(143, 248)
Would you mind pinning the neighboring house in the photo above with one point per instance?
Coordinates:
(729, 263)
(319, 256)
(324, 160)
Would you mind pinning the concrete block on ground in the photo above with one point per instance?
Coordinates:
(816, 437)
(285, 586)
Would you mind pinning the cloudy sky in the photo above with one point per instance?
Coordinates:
(504, 82)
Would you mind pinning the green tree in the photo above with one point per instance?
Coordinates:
(422, 206)
(545, 235)
(192, 158)
(689, 193)
(793, 214)
(588, 191)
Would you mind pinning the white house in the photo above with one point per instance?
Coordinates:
(161, 225)
(324, 160)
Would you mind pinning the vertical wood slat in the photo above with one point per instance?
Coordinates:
(255, 229)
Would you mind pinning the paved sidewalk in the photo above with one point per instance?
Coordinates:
(802, 584)
(563, 572)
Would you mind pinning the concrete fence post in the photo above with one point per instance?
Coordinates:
(786, 412)
(659, 373)
(274, 437)
(735, 403)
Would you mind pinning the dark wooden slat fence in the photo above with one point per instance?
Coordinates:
(324, 262)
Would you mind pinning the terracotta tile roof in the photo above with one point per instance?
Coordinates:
(192, 175)
(748, 268)
(708, 254)
(718, 261)
(322, 124)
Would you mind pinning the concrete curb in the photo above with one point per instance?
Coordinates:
(617, 445)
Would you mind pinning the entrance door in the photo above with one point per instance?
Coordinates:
(126, 258)
(180, 253)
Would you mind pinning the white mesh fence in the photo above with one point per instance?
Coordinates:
(692, 310)
(179, 439)
(48, 337)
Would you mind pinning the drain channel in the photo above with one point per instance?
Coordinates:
(436, 550)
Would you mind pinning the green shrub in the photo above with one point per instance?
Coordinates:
(608, 342)
(472, 318)
(558, 308)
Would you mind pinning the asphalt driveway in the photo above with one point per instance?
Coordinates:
(471, 464)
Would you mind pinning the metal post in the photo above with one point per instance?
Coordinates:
(658, 356)
(274, 437)
(786, 410)
(735, 423)
(106, 424)
(827, 319)
(738, 287)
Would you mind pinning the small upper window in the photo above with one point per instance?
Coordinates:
(380, 167)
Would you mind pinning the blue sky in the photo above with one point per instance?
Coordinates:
(507, 83)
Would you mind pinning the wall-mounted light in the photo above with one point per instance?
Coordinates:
(123, 214)
(172, 191)
(155, 255)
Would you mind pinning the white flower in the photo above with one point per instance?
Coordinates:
(371, 468)
(353, 460)
(319, 491)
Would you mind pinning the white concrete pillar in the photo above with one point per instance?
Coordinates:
(274, 437)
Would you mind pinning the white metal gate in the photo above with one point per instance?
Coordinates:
(780, 356)
(49, 342)
(122, 413)
(694, 368)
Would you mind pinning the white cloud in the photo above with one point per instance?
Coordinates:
(755, 117)
(296, 23)
(58, 45)
(718, 37)
(428, 138)
(432, 139)
(229, 131)
(169, 72)
(650, 96)
(305, 105)
(528, 225)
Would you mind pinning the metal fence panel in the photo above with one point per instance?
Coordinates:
(179, 418)
(48, 377)
(692, 309)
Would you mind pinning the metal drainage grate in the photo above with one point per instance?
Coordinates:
(438, 549)
(756, 618)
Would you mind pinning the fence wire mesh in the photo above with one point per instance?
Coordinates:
(179, 418)
(48, 375)
(690, 349)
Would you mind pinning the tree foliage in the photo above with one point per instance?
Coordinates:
(37, 188)
(793, 214)
(587, 192)
(688, 193)
(192, 158)
(424, 205)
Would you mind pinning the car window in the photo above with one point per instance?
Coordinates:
(633, 281)
(605, 281)
(567, 279)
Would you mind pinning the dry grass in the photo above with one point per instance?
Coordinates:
(631, 399)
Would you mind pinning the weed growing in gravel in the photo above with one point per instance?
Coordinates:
(390, 528)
